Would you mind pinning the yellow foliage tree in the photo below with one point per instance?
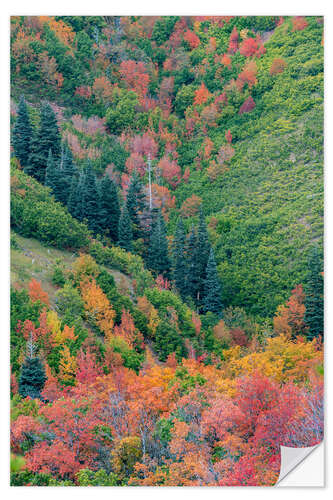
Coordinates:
(97, 306)
(67, 366)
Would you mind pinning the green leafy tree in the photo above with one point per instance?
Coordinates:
(22, 133)
(314, 294)
(109, 207)
(47, 137)
(125, 235)
(168, 340)
(212, 290)
(123, 114)
(184, 99)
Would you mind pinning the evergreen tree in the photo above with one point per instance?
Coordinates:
(314, 295)
(92, 199)
(192, 278)
(109, 207)
(22, 133)
(72, 203)
(135, 203)
(66, 171)
(202, 250)
(125, 234)
(158, 258)
(46, 138)
(52, 174)
(212, 288)
(179, 261)
(32, 378)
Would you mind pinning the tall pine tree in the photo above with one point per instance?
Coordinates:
(179, 260)
(52, 174)
(212, 288)
(203, 251)
(135, 203)
(158, 257)
(47, 137)
(314, 294)
(192, 278)
(92, 199)
(67, 169)
(22, 133)
(73, 199)
(109, 207)
(32, 378)
(125, 235)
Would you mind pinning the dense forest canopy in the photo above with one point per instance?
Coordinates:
(167, 268)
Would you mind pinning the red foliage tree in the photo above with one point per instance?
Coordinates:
(201, 95)
(87, 368)
(239, 337)
(233, 41)
(144, 144)
(248, 75)
(192, 39)
(247, 106)
(191, 206)
(135, 75)
(228, 136)
(170, 171)
(278, 66)
(248, 47)
(136, 162)
(299, 23)
(57, 459)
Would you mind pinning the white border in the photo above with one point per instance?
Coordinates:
(144, 7)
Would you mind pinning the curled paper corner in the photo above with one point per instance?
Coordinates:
(292, 457)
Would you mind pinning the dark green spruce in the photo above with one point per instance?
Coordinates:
(202, 250)
(47, 137)
(125, 235)
(32, 377)
(67, 170)
(109, 207)
(179, 260)
(52, 174)
(92, 200)
(192, 277)
(212, 288)
(135, 203)
(22, 133)
(158, 258)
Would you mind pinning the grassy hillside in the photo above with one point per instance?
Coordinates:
(268, 207)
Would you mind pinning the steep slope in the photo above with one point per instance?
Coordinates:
(267, 209)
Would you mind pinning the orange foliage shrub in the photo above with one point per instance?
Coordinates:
(36, 292)
(278, 66)
(191, 206)
(201, 95)
(289, 318)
